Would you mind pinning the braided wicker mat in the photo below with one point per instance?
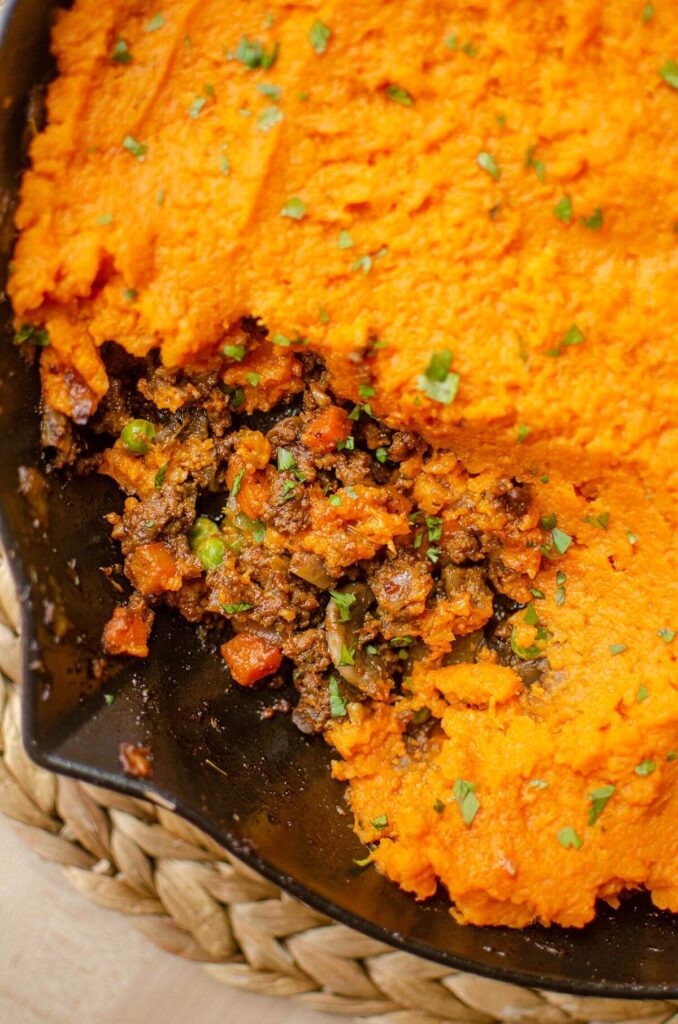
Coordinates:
(193, 899)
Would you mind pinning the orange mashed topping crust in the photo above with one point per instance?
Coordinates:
(491, 183)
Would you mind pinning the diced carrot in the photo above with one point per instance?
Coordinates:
(128, 629)
(250, 658)
(152, 569)
(325, 429)
(255, 489)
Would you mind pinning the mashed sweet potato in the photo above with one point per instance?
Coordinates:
(470, 211)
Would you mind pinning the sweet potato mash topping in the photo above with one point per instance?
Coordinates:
(469, 212)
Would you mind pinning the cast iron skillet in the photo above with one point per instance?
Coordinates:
(260, 788)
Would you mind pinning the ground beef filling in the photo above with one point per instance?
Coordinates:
(316, 542)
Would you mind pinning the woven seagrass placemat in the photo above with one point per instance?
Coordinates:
(195, 900)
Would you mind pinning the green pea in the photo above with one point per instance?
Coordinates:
(211, 552)
(201, 529)
(137, 435)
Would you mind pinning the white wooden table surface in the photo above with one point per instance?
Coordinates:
(65, 961)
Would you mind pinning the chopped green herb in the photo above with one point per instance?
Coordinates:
(538, 166)
(522, 433)
(29, 334)
(253, 55)
(156, 22)
(617, 649)
(631, 538)
(466, 800)
(595, 221)
(121, 52)
(399, 95)
(319, 36)
(487, 163)
(237, 483)
(363, 263)
(236, 352)
(530, 617)
(380, 822)
(451, 41)
(535, 650)
(323, 315)
(259, 532)
(561, 578)
(281, 340)
(381, 455)
(669, 72)
(501, 120)
(439, 806)
(645, 767)
(294, 208)
(235, 609)
(343, 603)
(160, 197)
(366, 391)
(105, 219)
(421, 716)
(109, 698)
(237, 398)
(130, 294)
(537, 784)
(402, 641)
(438, 382)
(268, 118)
(272, 91)
(648, 12)
(289, 489)
(601, 521)
(434, 528)
(337, 702)
(563, 209)
(364, 861)
(672, 755)
(253, 379)
(433, 555)
(285, 460)
(335, 500)
(567, 837)
(470, 49)
(538, 594)
(560, 596)
(667, 635)
(643, 694)
(418, 538)
(244, 112)
(561, 540)
(137, 149)
(599, 798)
(160, 477)
(224, 162)
(196, 106)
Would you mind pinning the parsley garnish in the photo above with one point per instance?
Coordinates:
(399, 95)
(363, 263)
(645, 767)
(31, 335)
(601, 521)
(563, 209)
(381, 455)
(319, 36)
(669, 72)
(272, 91)
(595, 221)
(334, 500)
(667, 635)
(617, 649)
(285, 460)
(130, 294)
(648, 12)
(567, 837)
(599, 798)
(137, 149)
(530, 616)
(109, 698)
(573, 336)
(631, 538)
(538, 165)
(268, 118)
(337, 702)
(156, 22)
(294, 208)
(643, 694)
(323, 315)
(522, 433)
(343, 603)
(253, 379)
(160, 477)
(439, 806)
(561, 540)
(236, 352)
(466, 799)
(380, 822)
(105, 219)
(121, 52)
(434, 528)
(366, 391)
(487, 162)
(237, 483)
(235, 609)
(438, 382)
(196, 106)
(253, 55)
(537, 784)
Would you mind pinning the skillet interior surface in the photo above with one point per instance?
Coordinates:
(260, 788)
